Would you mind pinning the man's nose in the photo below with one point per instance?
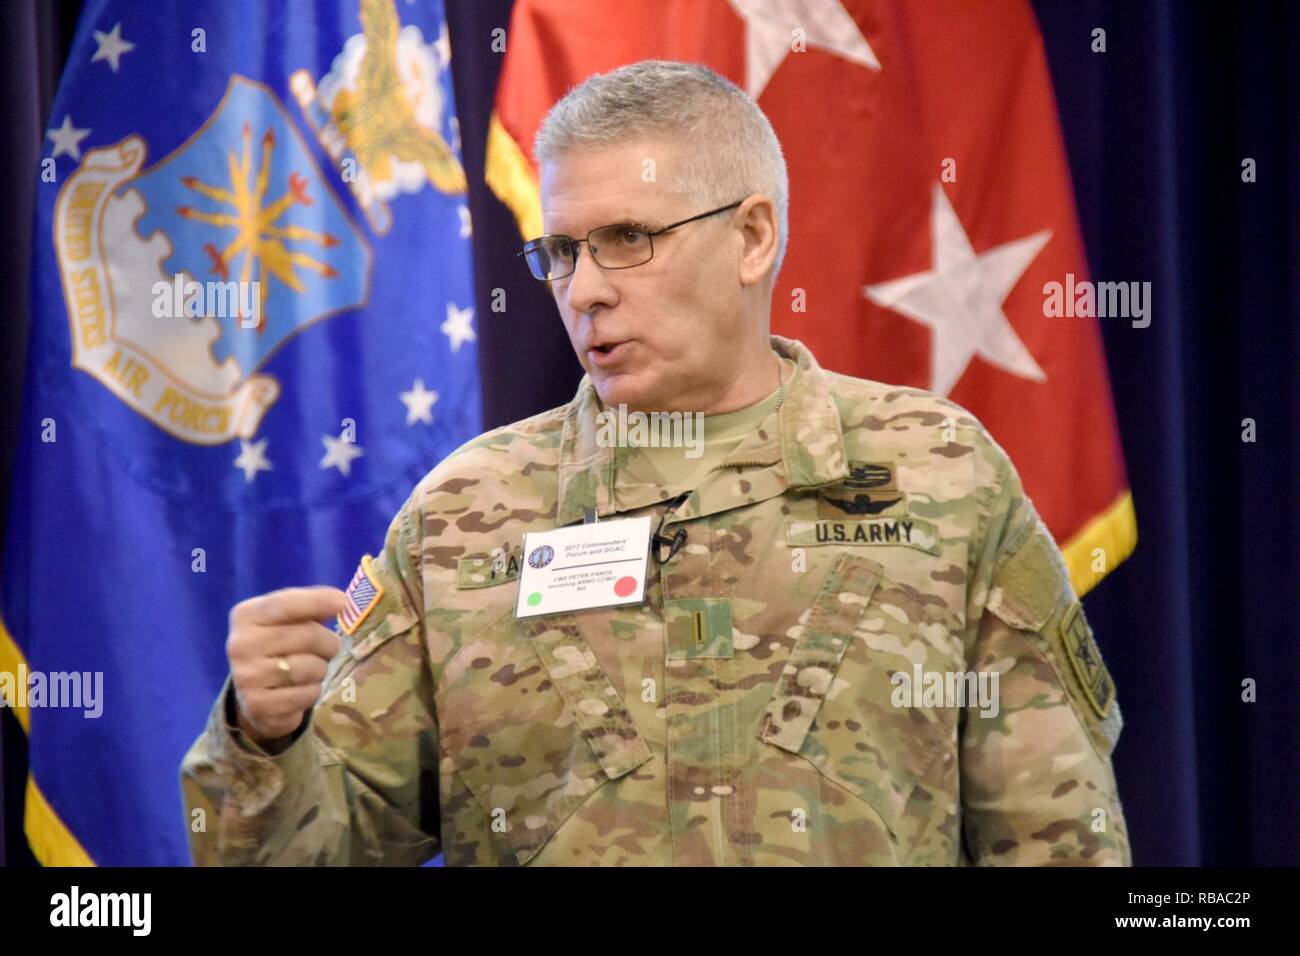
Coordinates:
(589, 286)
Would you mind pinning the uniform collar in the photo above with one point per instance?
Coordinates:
(802, 442)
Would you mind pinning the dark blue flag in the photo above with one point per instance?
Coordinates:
(252, 334)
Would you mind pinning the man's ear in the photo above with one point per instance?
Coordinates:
(758, 227)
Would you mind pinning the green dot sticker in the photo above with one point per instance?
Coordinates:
(535, 599)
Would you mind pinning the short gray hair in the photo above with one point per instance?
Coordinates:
(731, 150)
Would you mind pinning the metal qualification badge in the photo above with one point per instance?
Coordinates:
(601, 564)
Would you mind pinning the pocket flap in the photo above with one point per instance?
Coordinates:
(807, 677)
(1029, 584)
(586, 688)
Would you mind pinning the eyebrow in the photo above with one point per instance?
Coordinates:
(625, 221)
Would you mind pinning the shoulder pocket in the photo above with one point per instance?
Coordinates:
(1028, 585)
(1032, 593)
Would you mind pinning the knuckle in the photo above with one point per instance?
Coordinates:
(241, 647)
(242, 611)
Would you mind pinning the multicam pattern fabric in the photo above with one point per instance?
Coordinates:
(746, 714)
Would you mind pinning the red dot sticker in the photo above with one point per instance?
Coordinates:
(624, 586)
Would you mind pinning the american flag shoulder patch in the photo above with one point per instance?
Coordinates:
(362, 595)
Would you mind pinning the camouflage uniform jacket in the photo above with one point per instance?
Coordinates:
(752, 711)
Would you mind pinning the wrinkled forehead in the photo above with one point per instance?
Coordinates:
(586, 187)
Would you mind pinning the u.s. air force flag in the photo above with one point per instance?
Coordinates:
(252, 334)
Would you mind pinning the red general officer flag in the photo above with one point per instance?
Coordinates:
(930, 209)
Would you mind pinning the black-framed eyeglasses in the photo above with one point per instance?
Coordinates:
(620, 245)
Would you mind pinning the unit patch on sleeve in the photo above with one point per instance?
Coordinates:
(1085, 658)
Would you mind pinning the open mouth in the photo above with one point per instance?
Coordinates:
(606, 353)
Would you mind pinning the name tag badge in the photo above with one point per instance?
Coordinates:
(601, 564)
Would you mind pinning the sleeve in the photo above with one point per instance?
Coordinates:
(1037, 783)
(358, 784)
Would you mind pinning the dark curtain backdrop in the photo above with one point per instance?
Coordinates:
(1156, 129)
(34, 39)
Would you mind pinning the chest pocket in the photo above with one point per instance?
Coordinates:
(839, 705)
(533, 726)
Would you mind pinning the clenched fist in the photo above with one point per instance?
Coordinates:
(279, 653)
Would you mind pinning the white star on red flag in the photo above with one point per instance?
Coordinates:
(769, 35)
(961, 298)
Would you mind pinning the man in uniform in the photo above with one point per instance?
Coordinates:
(858, 643)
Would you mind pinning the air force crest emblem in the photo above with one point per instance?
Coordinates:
(183, 278)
